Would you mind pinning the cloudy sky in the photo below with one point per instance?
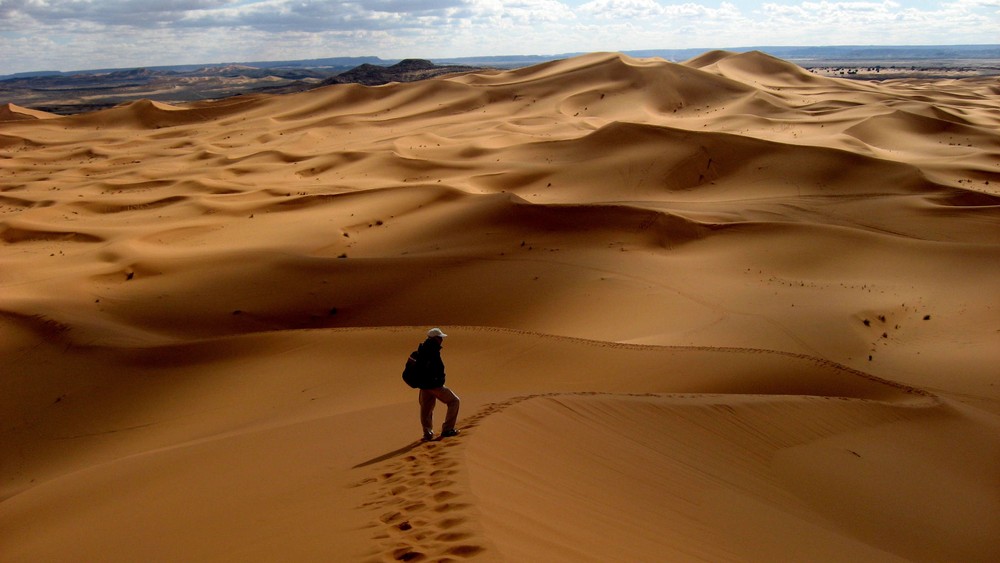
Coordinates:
(86, 34)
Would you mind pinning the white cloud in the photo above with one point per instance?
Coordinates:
(520, 13)
(80, 33)
(309, 15)
(886, 22)
(623, 9)
(139, 13)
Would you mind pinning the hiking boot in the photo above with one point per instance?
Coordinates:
(428, 436)
(449, 433)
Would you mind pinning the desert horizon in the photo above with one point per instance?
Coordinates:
(83, 91)
(725, 309)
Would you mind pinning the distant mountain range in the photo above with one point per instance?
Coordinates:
(335, 65)
(846, 53)
(68, 93)
(78, 91)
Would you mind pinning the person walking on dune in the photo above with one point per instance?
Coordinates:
(432, 388)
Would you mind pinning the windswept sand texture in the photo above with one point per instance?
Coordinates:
(726, 310)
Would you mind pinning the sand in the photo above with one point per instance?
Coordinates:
(724, 310)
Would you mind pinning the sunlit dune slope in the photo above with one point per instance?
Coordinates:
(718, 310)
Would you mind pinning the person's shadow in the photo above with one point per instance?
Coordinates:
(389, 455)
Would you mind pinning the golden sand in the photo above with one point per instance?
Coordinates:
(725, 310)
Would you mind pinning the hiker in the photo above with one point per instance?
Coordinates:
(432, 388)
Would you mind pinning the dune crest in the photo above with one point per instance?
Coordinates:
(717, 310)
(757, 68)
(13, 112)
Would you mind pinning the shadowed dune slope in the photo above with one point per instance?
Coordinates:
(722, 310)
(751, 478)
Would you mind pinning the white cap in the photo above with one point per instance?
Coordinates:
(435, 332)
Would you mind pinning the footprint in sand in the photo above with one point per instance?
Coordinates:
(428, 518)
(422, 483)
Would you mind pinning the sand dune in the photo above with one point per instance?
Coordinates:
(723, 310)
(14, 112)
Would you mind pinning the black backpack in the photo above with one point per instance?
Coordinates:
(414, 372)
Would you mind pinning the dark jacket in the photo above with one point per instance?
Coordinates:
(430, 357)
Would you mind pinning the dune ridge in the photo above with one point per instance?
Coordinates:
(725, 309)
(14, 112)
